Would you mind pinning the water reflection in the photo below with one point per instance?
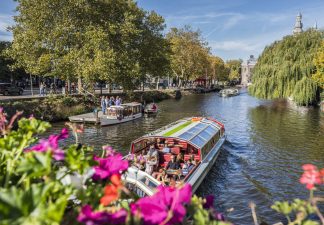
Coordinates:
(267, 142)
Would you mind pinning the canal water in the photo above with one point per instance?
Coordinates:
(267, 143)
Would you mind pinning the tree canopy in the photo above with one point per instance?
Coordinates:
(285, 68)
(189, 58)
(94, 40)
(318, 76)
(234, 69)
(7, 73)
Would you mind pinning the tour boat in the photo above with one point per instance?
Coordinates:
(151, 108)
(229, 92)
(115, 115)
(196, 138)
(121, 114)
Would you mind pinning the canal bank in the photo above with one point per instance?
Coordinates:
(59, 108)
(267, 143)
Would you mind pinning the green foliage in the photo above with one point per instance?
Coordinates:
(300, 208)
(319, 64)
(77, 160)
(201, 216)
(189, 58)
(283, 65)
(305, 91)
(217, 68)
(72, 39)
(31, 206)
(234, 67)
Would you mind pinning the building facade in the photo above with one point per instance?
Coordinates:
(247, 70)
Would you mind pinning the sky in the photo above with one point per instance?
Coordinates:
(233, 28)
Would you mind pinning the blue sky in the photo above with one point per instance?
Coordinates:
(233, 28)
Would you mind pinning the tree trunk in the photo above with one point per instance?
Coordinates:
(79, 85)
(69, 86)
(31, 84)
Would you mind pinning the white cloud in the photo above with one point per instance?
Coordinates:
(233, 46)
(5, 21)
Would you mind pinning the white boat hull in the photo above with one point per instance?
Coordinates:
(106, 121)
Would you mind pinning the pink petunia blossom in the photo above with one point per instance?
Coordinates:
(51, 144)
(165, 206)
(108, 150)
(311, 176)
(89, 217)
(112, 164)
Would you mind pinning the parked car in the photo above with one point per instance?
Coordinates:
(7, 89)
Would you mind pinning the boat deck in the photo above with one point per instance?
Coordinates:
(87, 117)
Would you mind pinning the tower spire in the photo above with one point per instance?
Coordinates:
(298, 24)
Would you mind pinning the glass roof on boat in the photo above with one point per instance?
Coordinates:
(197, 132)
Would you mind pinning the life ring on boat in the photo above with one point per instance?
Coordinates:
(195, 119)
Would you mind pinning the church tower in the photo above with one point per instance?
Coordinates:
(298, 25)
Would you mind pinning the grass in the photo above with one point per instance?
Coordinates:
(176, 129)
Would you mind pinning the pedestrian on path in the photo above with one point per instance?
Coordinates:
(41, 89)
(103, 105)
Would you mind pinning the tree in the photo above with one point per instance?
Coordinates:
(284, 69)
(318, 76)
(154, 54)
(217, 68)
(234, 68)
(7, 73)
(189, 58)
(92, 40)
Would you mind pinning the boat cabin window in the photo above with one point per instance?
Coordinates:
(210, 144)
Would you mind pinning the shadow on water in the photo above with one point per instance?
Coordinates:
(267, 142)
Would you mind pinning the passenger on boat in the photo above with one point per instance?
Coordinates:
(180, 158)
(112, 101)
(103, 105)
(187, 167)
(118, 101)
(140, 164)
(173, 164)
(161, 176)
(166, 149)
(107, 101)
(151, 160)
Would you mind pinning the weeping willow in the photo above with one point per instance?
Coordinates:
(285, 67)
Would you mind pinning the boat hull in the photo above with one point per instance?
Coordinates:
(109, 121)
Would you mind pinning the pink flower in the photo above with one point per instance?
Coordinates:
(108, 150)
(51, 144)
(88, 217)
(112, 164)
(322, 175)
(311, 176)
(166, 206)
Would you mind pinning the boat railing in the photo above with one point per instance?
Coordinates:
(141, 180)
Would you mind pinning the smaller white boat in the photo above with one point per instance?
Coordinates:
(151, 108)
(229, 92)
(121, 114)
